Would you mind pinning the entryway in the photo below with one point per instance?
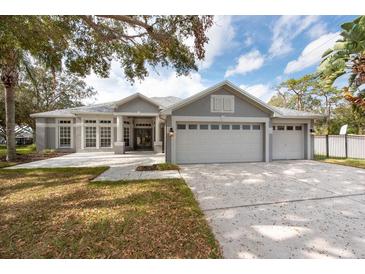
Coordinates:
(143, 138)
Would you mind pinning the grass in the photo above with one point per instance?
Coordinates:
(58, 213)
(158, 167)
(25, 154)
(342, 161)
(22, 150)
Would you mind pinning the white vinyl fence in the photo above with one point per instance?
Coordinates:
(346, 146)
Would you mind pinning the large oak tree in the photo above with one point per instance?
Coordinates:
(82, 44)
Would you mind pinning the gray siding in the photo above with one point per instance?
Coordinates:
(51, 137)
(202, 107)
(138, 105)
(40, 134)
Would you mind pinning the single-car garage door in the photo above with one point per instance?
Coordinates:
(288, 142)
(219, 142)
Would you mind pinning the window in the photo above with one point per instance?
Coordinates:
(126, 136)
(222, 103)
(236, 127)
(105, 122)
(203, 127)
(289, 127)
(225, 127)
(274, 127)
(246, 127)
(64, 137)
(214, 127)
(90, 136)
(281, 127)
(90, 121)
(181, 126)
(193, 126)
(105, 137)
(298, 127)
(64, 134)
(256, 127)
(143, 125)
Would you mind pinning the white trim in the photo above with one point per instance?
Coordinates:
(267, 142)
(138, 114)
(57, 132)
(45, 115)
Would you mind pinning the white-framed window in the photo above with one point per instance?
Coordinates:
(105, 136)
(298, 127)
(222, 103)
(214, 127)
(203, 127)
(256, 127)
(236, 127)
(181, 126)
(90, 137)
(64, 134)
(126, 133)
(246, 127)
(225, 127)
(193, 126)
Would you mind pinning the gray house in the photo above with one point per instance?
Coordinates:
(220, 124)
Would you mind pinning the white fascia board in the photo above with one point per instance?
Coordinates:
(147, 114)
(44, 115)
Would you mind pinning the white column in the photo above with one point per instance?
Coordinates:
(157, 130)
(157, 145)
(119, 144)
(120, 127)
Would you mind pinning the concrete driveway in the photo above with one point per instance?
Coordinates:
(286, 209)
(122, 166)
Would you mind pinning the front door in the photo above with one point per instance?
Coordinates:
(143, 139)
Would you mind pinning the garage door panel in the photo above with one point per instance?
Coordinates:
(288, 144)
(219, 146)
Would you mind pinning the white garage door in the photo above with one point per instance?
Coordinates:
(219, 143)
(288, 142)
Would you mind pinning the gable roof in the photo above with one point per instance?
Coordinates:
(134, 96)
(105, 108)
(210, 90)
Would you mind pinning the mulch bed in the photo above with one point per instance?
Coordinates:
(31, 157)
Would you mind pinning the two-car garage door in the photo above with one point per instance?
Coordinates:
(219, 142)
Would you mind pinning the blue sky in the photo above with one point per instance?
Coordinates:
(254, 52)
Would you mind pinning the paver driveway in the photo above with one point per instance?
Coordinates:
(286, 209)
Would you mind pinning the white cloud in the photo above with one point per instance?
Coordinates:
(262, 91)
(220, 36)
(285, 29)
(312, 53)
(317, 30)
(166, 84)
(246, 63)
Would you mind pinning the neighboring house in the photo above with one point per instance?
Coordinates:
(23, 136)
(220, 124)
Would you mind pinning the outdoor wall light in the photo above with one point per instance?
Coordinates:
(171, 132)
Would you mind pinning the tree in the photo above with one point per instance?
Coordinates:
(39, 91)
(347, 57)
(295, 93)
(81, 44)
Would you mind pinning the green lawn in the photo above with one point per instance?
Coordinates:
(340, 161)
(58, 213)
(23, 150)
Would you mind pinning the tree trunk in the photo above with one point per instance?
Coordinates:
(9, 77)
